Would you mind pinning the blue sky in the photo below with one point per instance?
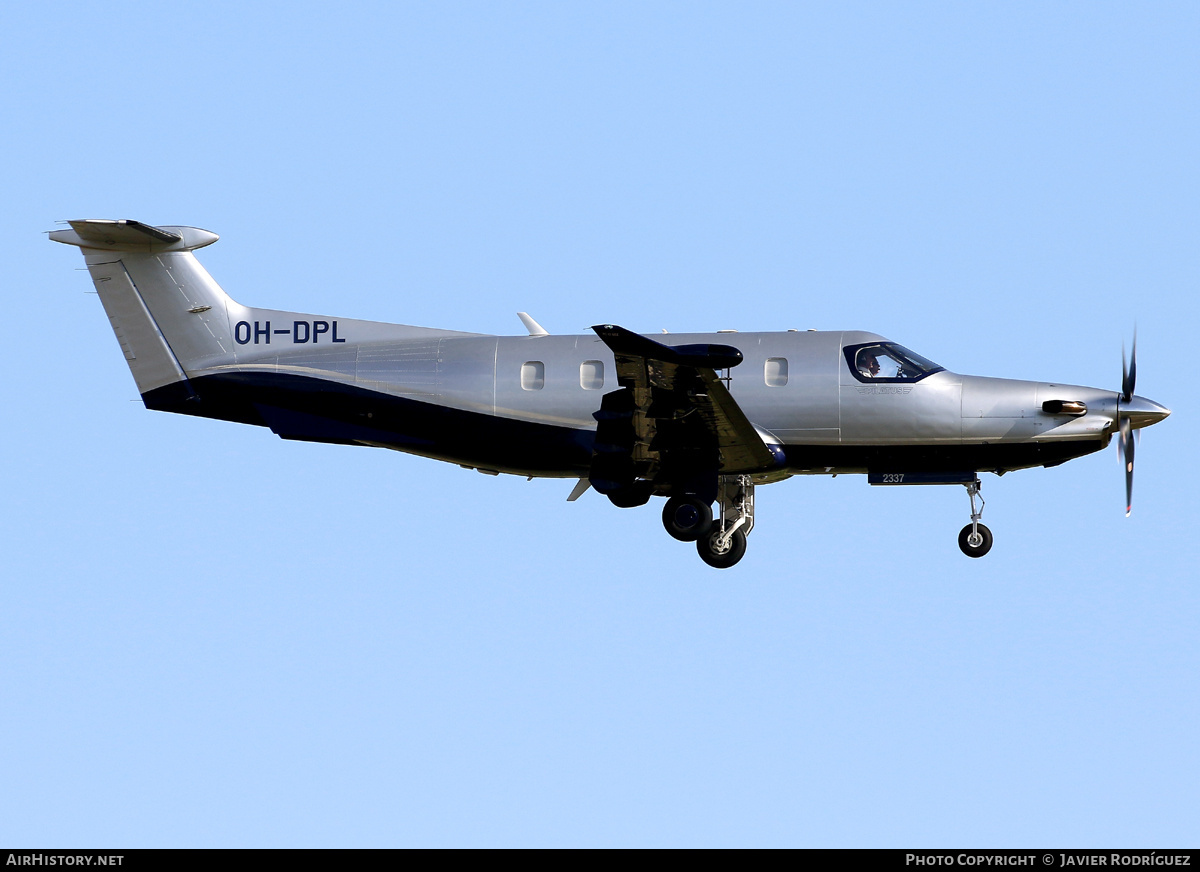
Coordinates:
(211, 637)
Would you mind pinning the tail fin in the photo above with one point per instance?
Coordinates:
(167, 312)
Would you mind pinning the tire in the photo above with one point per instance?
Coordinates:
(687, 518)
(632, 496)
(978, 550)
(722, 559)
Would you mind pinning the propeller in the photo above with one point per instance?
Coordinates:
(1127, 443)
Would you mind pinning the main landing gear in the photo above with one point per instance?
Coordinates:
(720, 541)
(687, 517)
(975, 539)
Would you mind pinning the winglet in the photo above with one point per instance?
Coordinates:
(534, 328)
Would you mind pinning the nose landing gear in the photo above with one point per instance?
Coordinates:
(975, 540)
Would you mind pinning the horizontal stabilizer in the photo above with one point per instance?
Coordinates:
(127, 235)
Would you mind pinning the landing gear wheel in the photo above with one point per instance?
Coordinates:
(632, 496)
(975, 546)
(687, 518)
(735, 549)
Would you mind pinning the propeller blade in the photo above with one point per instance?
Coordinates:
(1127, 451)
(1129, 376)
(1124, 374)
(1133, 364)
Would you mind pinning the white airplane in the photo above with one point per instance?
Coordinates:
(699, 421)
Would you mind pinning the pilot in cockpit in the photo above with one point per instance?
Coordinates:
(887, 361)
(868, 365)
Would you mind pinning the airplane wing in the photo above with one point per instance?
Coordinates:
(673, 417)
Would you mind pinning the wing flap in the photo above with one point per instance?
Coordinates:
(742, 448)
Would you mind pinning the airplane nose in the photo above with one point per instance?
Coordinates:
(1142, 412)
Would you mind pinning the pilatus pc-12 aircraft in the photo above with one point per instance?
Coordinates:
(698, 419)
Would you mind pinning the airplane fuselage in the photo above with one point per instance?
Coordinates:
(525, 404)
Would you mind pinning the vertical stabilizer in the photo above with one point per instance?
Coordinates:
(168, 314)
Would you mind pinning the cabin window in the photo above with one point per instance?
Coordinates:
(775, 372)
(591, 375)
(533, 375)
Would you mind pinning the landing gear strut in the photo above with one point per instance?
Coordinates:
(975, 539)
(725, 543)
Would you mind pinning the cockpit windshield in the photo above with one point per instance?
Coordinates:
(889, 362)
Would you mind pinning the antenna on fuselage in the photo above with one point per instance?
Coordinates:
(534, 328)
